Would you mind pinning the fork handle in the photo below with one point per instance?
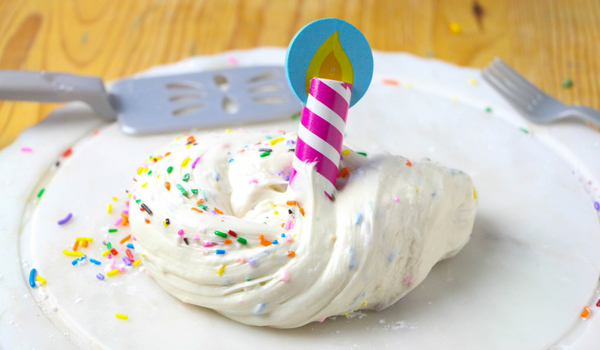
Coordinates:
(39, 86)
(586, 113)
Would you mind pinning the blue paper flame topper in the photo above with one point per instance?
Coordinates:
(331, 49)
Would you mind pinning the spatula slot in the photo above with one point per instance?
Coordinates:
(182, 86)
(221, 82)
(202, 98)
(229, 105)
(182, 98)
(262, 77)
(265, 88)
(271, 100)
(187, 110)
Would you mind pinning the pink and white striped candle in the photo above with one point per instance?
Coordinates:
(321, 131)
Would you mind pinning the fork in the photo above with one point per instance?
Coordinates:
(535, 105)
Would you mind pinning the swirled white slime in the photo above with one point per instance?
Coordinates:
(388, 225)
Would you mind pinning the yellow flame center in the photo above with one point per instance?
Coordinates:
(329, 62)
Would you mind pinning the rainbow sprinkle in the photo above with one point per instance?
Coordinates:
(221, 234)
(274, 141)
(65, 220)
(182, 190)
(586, 312)
(195, 162)
(32, 278)
(259, 309)
(390, 82)
(70, 253)
(121, 316)
(567, 83)
(454, 27)
(358, 219)
(78, 260)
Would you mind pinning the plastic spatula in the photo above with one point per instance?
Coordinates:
(165, 103)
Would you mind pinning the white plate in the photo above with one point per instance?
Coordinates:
(521, 283)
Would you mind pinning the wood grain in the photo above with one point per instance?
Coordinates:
(546, 40)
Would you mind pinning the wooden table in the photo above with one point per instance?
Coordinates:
(547, 40)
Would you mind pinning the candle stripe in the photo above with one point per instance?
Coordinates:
(317, 107)
(329, 187)
(297, 163)
(293, 171)
(324, 165)
(318, 144)
(326, 95)
(343, 89)
(322, 129)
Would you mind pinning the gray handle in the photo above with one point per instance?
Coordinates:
(588, 114)
(56, 87)
(584, 113)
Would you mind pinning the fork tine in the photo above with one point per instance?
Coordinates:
(515, 76)
(522, 92)
(523, 100)
(503, 90)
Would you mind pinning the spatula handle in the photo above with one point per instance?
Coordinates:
(56, 87)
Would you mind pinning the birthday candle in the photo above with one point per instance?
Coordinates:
(321, 130)
(329, 66)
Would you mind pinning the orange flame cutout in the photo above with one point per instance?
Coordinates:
(329, 62)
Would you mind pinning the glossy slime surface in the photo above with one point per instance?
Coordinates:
(239, 241)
